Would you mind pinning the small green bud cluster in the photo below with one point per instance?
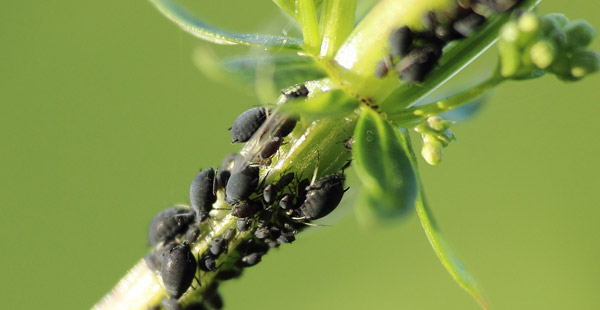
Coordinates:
(531, 45)
(436, 135)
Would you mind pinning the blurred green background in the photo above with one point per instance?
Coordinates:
(105, 121)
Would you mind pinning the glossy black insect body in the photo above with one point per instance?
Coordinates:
(167, 224)
(269, 194)
(246, 209)
(202, 193)
(251, 259)
(262, 233)
(178, 269)
(243, 224)
(215, 301)
(207, 263)
(284, 181)
(222, 179)
(286, 202)
(322, 197)
(400, 42)
(301, 192)
(468, 24)
(246, 124)
(218, 246)
(270, 148)
(286, 128)
(241, 184)
(286, 238)
(419, 63)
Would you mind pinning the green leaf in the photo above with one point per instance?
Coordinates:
(331, 103)
(200, 29)
(452, 264)
(381, 160)
(267, 75)
(337, 22)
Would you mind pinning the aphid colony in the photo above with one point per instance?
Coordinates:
(268, 214)
(413, 54)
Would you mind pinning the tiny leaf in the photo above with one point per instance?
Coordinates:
(382, 162)
(202, 30)
(452, 264)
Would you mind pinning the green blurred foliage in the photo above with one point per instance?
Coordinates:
(104, 121)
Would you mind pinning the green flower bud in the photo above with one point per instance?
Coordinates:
(510, 32)
(510, 58)
(542, 54)
(528, 25)
(584, 63)
(579, 34)
(432, 152)
(553, 22)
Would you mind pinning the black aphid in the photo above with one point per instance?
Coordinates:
(286, 202)
(271, 243)
(269, 194)
(262, 233)
(229, 234)
(251, 259)
(222, 179)
(215, 301)
(419, 63)
(246, 124)
(207, 263)
(218, 246)
(243, 224)
(202, 193)
(270, 148)
(322, 197)
(246, 209)
(296, 91)
(468, 24)
(241, 184)
(400, 42)
(192, 234)
(284, 181)
(286, 128)
(167, 224)
(178, 269)
(286, 238)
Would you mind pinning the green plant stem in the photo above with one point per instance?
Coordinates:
(422, 112)
(311, 143)
(310, 26)
(337, 21)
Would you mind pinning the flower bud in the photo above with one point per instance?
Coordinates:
(432, 152)
(542, 54)
(579, 34)
(584, 63)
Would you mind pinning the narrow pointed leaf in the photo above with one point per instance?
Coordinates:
(448, 259)
(202, 30)
(382, 162)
